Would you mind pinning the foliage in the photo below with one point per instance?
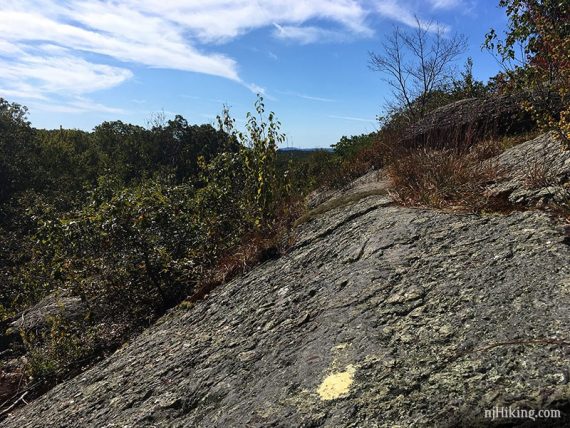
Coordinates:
(318, 168)
(16, 149)
(258, 151)
(540, 30)
(348, 147)
(467, 86)
(52, 352)
(132, 220)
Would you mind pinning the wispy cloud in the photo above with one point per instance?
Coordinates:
(404, 13)
(76, 106)
(307, 97)
(220, 20)
(61, 73)
(320, 99)
(352, 118)
(76, 47)
(445, 4)
(307, 35)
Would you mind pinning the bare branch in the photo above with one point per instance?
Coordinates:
(417, 63)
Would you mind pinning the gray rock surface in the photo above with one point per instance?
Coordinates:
(374, 181)
(474, 117)
(538, 172)
(54, 305)
(379, 316)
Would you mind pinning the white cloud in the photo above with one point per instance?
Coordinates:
(395, 11)
(75, 107)
(403, 13)
(75, 47)
(307, 97)
(62, 74)
(255, 88)
(312, 98)
(307, 35)
(445, 4)
(220, 20)
(121, 40)
(7, 48)
(352, 118)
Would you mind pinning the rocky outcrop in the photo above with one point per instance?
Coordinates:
(36, 318)
(469, 120)
(36, 321)
(378, 316)
(538, 172)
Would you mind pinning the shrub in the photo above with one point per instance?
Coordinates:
(541, 29)
(134, 249)
(152, 217)
(53, 352)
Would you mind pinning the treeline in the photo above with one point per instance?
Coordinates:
(122, 223)
(68, 160)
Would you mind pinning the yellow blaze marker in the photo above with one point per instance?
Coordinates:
(337, 384)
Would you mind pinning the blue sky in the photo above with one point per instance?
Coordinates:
(77, 63)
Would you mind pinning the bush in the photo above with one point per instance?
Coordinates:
(16, 150)
(152, 217)
(541, 29)
(52, 353)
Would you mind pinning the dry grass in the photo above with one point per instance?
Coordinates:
(448, 178)
(506, 142)
(448, 168)
(253, 251)
(539, 174)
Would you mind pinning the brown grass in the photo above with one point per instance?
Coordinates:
(506, 142)
(251, 252)
(446, 178)
(539, 174)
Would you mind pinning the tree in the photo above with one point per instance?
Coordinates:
(16, 149)
(535, 55)
(468, 86)
(258, 152)
(416, 64)
(349, 147)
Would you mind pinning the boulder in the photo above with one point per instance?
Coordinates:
(468, 121)
(537, 172)
(37, 318)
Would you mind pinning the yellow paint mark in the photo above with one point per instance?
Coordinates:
(340, 346)
(337, 384)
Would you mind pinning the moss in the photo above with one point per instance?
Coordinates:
(341, 201)
(185, 305)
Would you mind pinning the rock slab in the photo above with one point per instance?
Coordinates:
(379, 316)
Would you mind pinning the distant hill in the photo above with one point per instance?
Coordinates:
(300, 149)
